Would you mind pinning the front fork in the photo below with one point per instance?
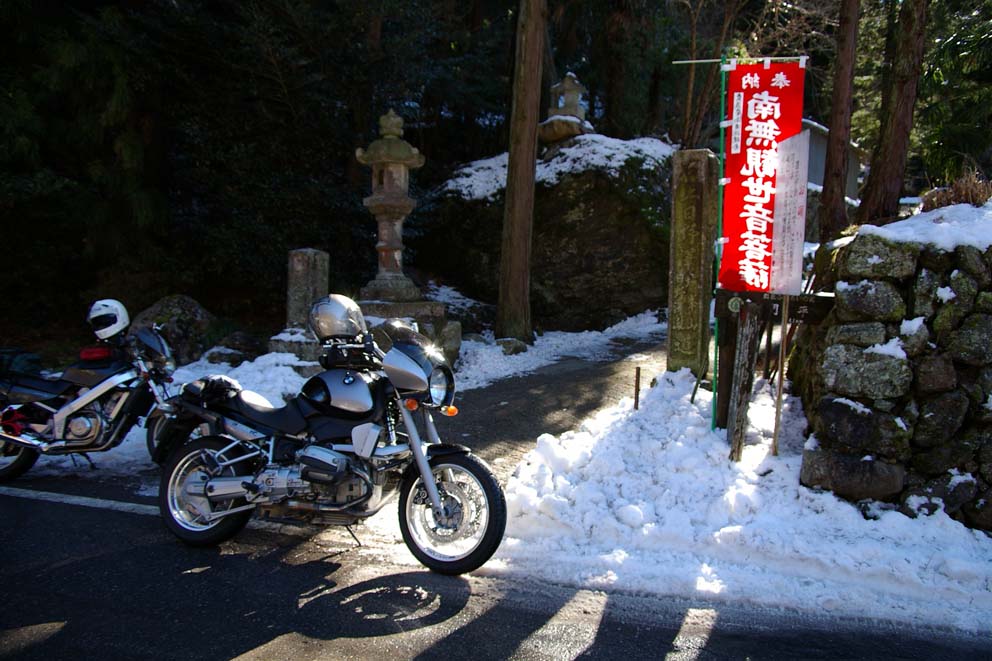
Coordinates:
(417, 447)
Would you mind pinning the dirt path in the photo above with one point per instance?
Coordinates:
(502, 421)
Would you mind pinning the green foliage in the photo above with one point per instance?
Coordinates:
(956, 92)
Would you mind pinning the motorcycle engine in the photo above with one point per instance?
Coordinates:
(84, 427)
(320, 474)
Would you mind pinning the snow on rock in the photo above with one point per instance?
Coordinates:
(891, 348)
(647, 501)
(947, 227)
(484, 179)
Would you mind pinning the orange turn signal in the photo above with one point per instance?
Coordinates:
(450, 411)
(411, 404)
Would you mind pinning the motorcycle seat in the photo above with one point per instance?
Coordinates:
(26, 388)
(255, 408)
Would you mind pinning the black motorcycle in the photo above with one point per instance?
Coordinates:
(94, 403)
(337, 452)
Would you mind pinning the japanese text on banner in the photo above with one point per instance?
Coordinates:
(764, 104)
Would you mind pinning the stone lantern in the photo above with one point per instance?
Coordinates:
(566, 116)
(391, 159)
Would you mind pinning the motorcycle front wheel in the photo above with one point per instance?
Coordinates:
(189, 515)
(471, 528)
(15, 460)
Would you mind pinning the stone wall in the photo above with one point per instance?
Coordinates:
(897, 383)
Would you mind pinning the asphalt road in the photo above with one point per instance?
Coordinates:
(81, 581)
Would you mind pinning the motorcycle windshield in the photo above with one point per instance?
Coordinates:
(417, 346)
(153, 342)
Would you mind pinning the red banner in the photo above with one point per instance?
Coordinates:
(764, 108)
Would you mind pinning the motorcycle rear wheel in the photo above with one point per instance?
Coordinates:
(15, 460)
(472, 528)
(184, 514)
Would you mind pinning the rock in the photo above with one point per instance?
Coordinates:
(869, 300)
(511, 346)
(978, 513)
(983, 302)
(972, 343)
(236, 348)
(594, 233)
(851, 371)
(862, 334)
(940, 419)
(870, 256)
(950, 314)
(450, 341)
(858, 429)
(474, 337)
(915, 342)
(935, 373)
(185, 325)
(949, 492)
(850, 476)
(941, 459)
(937, 260)
(971, 260)
(924, 293)
(984, 455)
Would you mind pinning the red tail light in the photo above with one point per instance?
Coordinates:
(96, 353)
(12, 422)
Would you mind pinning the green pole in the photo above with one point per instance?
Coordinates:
(718, 250)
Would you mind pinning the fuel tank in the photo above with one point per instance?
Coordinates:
(341, 391)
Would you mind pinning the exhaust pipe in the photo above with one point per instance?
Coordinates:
(24, 442)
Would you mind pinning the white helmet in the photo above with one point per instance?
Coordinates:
(108, 317)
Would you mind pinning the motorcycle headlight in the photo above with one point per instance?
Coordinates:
(440, 385)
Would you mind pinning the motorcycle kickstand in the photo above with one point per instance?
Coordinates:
(84, 456)
(353, 535)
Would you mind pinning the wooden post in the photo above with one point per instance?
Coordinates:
(637, 388)
(725, 378)
(781, 372)
(748, 339)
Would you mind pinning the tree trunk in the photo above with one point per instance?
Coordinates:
(513, 309)
(880, 198)
(693, 138)
(833, 208)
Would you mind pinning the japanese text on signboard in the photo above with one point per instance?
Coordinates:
(764, 104)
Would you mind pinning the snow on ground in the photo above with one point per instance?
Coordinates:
(648, 502)
(484, 179)
(481, 363)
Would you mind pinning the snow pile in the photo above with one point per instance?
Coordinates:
(484, 179)
(481, 363)
(647, 501)
(947, 227)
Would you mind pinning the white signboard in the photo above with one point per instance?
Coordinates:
(790, 215)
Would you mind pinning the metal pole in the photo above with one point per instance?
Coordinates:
(718, 251)
(781, 372)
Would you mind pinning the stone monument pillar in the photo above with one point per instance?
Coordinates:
(308, 278)
(695, 211)
(391, 293)
(391, 160)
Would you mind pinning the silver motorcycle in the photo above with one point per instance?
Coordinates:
(94, 403)
(337, 452)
